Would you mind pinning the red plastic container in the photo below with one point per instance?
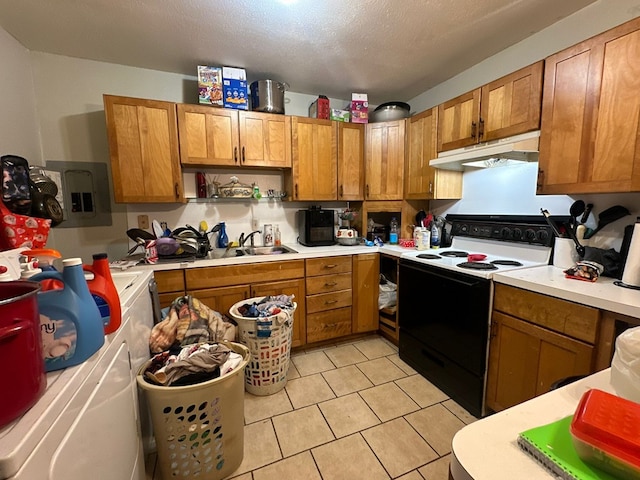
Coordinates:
(23, 381)
(606, 433)
(104, 292)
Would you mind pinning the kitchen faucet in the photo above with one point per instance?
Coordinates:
(242, 240)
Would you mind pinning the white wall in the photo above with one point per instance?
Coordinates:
(18, 120)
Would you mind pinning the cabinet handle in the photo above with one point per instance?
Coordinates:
(430, 187)
(235, 154)
(331, 265)
(481, 129)
(473, 129)
(367, 190)
(540, 179)
(494, 330)
(296, 191)
(177, 189)
(243, 154)
(341, 191)
(330, 284)
(329, 302)
(330, 325)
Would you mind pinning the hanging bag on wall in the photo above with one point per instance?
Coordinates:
(16, 193)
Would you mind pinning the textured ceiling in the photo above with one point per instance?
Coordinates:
(391, 49)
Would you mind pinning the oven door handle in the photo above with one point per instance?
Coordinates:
(445, 277)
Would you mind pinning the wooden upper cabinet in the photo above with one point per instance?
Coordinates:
(314, 160)
(507, 106)
(590, 115)
(143, 146)
(421, 180)
(211, 136)
(350, 161)
(384, 160)
(458, 121)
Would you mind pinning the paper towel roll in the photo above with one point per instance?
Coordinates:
(631, 274)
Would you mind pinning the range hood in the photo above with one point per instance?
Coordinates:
(506, 151)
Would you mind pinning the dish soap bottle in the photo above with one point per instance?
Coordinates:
(70, 322)
(223, 240)
(393, 231)
(277, 239)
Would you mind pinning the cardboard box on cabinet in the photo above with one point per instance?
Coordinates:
(236, 93)
(339, 115)
(320, 108)
(359, 108)
(210, 85)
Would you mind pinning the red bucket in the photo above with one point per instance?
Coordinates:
(23, 383)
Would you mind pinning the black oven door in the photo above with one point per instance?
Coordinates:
(444, 325)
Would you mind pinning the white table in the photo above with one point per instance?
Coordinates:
(487, 449)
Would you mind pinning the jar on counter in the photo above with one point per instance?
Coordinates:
(268, 235)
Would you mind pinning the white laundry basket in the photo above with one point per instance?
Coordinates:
(199, 429)
(266, 372)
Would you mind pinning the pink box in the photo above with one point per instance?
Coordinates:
(359, 108)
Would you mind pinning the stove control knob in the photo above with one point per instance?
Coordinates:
(517, 234)
(505, 232)
(542, 236)
(530, 235)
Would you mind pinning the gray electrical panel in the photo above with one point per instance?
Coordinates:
(83, 193)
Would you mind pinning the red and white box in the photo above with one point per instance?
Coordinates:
(320, 108)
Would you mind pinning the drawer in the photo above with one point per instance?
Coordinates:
(326, 325)
(327, 265)
(328, 283)
(328, 301)
(170, 280)
(227, 275)
(577, 321)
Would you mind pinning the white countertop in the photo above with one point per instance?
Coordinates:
(487, 449)
(550, 280)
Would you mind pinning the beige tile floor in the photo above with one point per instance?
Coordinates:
(353, 411)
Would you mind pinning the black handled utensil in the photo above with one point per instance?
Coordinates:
(579, 247)
(550, 222)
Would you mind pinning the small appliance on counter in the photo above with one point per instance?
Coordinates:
(316, 226)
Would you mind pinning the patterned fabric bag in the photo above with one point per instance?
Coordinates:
(16, 193)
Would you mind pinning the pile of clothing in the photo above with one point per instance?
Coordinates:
(271, 311)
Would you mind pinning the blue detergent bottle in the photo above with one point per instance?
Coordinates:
(70, 321)
(223, 239)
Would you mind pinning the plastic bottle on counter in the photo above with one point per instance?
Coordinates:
(393, 231)
(70, 322)
(277, 239)
(223, 240)
(435, 235)
(104, 292)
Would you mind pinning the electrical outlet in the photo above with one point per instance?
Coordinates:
(143, 221)
(255, 224)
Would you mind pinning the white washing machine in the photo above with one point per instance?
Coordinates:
(87, 424)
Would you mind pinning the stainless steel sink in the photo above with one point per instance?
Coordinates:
(239, 252)
(276, 250)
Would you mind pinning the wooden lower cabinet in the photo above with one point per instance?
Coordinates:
(221, 299)
(536, 340)
(328, 324)
(366, 277)
(170, 285)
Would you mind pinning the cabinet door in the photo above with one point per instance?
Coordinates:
(265, 139)
(590, 111)
(458, 121)
(384, 160)
(421, 180)
(208, 135)
(524, 360)
(288, 287)
(221, 299)
(315, 166)
(511, 105)
(143, 146)
(350, 161)
(366, 275)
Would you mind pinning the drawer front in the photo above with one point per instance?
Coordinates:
(326, 325)
(226, 275)
(169, 280)
(328, 265)
(328, 301)
(328, 283)
(577, 321)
